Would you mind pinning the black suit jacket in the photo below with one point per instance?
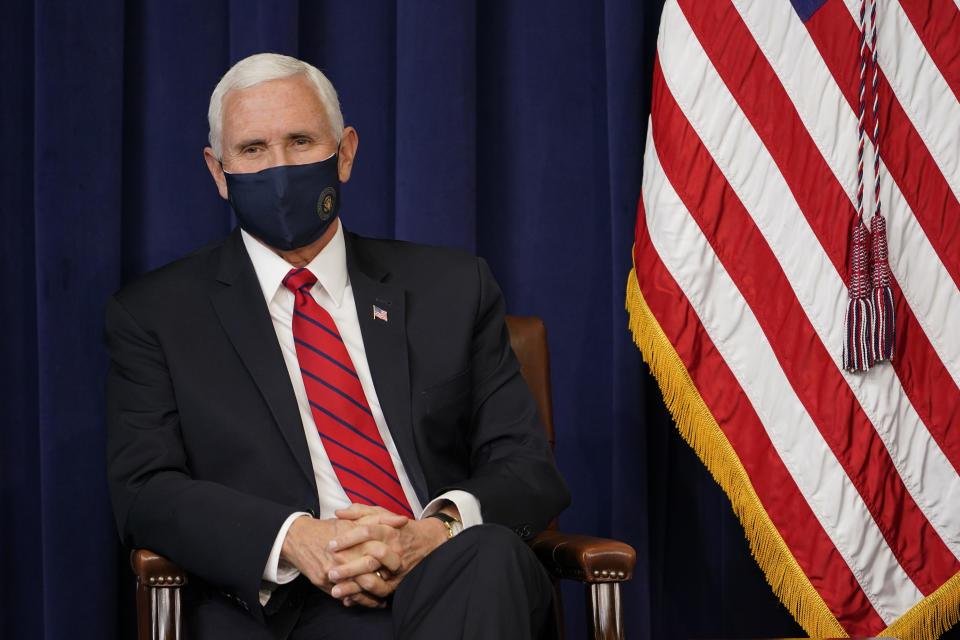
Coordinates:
(206, 452)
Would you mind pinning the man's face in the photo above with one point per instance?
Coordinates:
(277, 122)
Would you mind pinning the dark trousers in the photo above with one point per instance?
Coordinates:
(485, 583)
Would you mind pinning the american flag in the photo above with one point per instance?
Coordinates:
(847, 484)
(379, 314)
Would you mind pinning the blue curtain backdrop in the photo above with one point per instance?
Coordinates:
(513, 129)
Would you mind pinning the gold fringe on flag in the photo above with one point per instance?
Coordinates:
(932, 616)
(926, 620)
(701, 431)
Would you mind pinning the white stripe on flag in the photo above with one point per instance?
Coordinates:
(786, 43)
(930, 291)
(925, 96)
(927, 287)
(741, 342)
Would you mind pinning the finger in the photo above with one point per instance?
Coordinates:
(315, 567)
(374, 585)
(355, 536)
(360, 534)
(319, 580)
(387, 518)
(364, 600)
(356, 559)
(370, 518)
(356, 511)
(394, 520)
(355, 567)
(389, 559)
(345, 589)
(363, 513)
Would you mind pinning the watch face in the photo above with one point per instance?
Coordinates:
(456, 526)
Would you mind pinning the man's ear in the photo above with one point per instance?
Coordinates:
(348, 150)
(213, 165)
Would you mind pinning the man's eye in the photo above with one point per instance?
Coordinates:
(301, 141)
(250, 150)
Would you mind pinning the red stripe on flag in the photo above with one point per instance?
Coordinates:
(927, 383)
(781, 498)
(937, 22)
(751, 264)
(906, 156)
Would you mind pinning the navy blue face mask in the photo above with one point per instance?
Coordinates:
(287, 207)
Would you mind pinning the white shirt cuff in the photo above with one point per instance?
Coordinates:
(277, 571)
(467, 504)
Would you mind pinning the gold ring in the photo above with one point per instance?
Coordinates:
(379, 575)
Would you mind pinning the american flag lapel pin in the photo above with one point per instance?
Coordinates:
(379, 314)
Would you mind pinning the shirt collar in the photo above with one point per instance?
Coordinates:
(329, 266)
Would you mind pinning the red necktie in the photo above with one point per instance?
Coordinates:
(339, 406)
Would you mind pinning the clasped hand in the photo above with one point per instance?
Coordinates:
(360, 556)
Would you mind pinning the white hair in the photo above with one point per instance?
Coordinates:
(262, 67)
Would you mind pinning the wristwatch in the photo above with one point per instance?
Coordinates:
(453, 525)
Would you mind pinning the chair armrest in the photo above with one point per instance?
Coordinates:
(584, 558)
(154, 570)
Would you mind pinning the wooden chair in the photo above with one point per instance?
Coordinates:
(600, 564)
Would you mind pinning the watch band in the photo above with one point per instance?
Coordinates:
(453, 525)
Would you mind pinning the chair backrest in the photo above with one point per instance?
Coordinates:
(528, 337)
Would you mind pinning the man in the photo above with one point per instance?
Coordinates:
(329, 432)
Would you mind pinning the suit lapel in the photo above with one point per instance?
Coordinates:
(247, 322)
(385, 343)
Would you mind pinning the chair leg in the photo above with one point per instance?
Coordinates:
(158, 595)
(167, 609)
(158, 613)
(604, 615)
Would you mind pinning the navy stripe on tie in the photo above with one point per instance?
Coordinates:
(305, 290)
(359, 495)
(334, 389)
(347, 425)
(290, 275)
(328, 357)
(319, 324)
(372, 484)
(359, 455)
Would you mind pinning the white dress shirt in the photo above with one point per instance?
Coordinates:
(333, 292)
